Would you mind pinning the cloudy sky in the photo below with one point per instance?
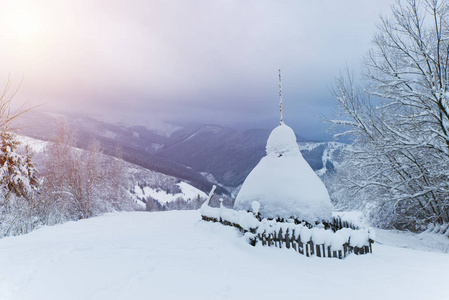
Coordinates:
(186, 61)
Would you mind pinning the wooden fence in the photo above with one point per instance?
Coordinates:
(283, 240)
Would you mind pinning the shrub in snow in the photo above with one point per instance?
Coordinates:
(284, 184)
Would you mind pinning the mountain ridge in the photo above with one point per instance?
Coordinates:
(184, 152)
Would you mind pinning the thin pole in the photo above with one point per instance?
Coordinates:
(280, 98)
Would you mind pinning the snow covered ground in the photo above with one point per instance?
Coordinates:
(188, 192)
(37, 146)
(175, 255)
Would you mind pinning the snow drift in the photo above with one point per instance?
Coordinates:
(172, 255)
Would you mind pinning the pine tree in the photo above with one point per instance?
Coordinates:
(18, 174)
(18, 183)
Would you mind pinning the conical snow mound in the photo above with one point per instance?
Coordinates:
(284, 184)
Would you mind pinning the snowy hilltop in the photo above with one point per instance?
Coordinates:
(284, 184)
(172, 255)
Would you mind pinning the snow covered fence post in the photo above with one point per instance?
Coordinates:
(211, 194)
(207, 212)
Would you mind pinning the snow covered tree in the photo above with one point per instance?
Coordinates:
(82, 183)
(400, 118)
(18, 184)
(56, 197)
(117, 187)
(71, 176)
(18, 174)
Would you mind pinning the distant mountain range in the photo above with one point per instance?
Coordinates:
(199, 155)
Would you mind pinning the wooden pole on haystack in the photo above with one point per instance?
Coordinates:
(280, 98)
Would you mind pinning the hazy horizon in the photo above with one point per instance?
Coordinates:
(201, 62)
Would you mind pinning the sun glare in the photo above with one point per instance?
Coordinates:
(23, 25)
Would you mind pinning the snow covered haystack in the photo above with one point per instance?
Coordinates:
(284, 184)
(283, 203)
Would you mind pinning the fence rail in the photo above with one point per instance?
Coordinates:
(286, 239)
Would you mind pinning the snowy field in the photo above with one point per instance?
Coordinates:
(175, 255)
(188, 192)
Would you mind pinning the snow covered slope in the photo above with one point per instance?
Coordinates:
(323, 157)
(141, 182)
(139, 144)
(187, 192)
(175, 255)
(37, 146)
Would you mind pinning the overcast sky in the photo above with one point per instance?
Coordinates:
(205, 61)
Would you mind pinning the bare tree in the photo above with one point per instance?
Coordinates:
(7, 115)
(72, 176)
(57, 197)
(117, 187)
(400, 119)
(82, 183)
